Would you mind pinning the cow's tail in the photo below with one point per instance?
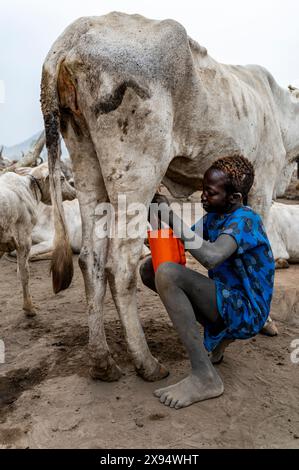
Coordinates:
(62, 260)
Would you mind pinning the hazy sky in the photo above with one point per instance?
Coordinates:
(234, 31)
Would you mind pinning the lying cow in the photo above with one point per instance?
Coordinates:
(20, 196)
(283, 230)
(43, 232)
(138, 102)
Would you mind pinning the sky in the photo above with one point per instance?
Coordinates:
(243, 32)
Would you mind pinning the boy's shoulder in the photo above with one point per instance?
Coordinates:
(244, 212)
(244, 216)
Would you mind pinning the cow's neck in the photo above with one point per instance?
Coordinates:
(35, 189)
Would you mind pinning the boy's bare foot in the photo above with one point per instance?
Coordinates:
(191, 390)
(270, 328)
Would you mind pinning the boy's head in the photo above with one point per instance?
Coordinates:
(227, 183)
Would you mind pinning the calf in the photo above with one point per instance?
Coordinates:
(19, 199)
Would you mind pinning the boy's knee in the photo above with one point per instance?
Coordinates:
(166, 274)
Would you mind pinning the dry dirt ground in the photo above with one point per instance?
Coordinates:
(47, 399)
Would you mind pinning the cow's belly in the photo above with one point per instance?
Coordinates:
(7, 240)
(185, 172)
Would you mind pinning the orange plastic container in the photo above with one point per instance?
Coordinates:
(165, 247)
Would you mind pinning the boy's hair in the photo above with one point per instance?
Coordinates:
(240, 174)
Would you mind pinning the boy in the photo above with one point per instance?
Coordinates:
(234, 301)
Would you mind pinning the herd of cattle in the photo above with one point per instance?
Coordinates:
(139, 103)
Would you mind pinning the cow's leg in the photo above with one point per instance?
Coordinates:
(91, 192)
(123, 259)
(92, 262)
(42, 250)
(132, 135)
(134, 147)
(22, 256)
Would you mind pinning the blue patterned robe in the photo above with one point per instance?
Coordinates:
(244, 282)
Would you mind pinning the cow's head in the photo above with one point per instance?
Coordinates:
(41, 175)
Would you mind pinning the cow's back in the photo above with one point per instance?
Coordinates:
(16, 203)
(126, 46)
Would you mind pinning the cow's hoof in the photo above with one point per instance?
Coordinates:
(109, 373)
(30, 313)
(158, 373)
(281, 264)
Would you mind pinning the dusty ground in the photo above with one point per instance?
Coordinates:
(48, 401)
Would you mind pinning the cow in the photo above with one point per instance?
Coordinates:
(19, 199)
(43, 232)
(138, 102)
(285, 176)
(283, 229)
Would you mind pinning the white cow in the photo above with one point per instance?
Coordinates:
(19, 199)
(283, 230)
(138, 102)
(43, 233)
(285, 176)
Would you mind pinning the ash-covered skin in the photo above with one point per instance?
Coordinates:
(189, 297)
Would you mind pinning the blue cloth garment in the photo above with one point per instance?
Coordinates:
(244, 282)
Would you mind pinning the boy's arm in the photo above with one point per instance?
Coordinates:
(208, 254)
(211, 255)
